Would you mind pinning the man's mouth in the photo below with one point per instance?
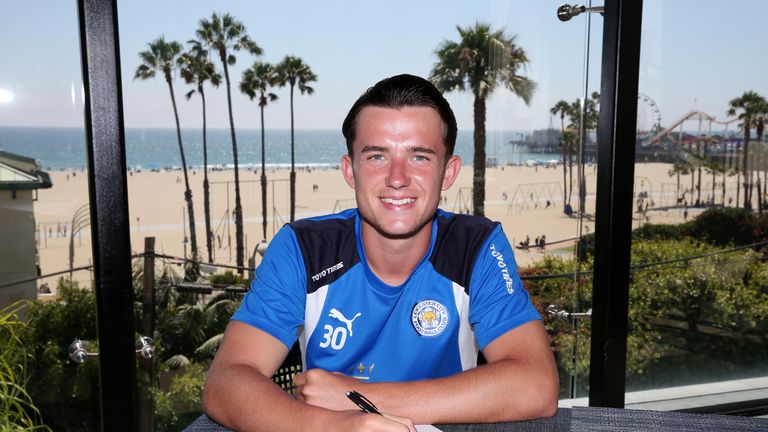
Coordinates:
(398, 202)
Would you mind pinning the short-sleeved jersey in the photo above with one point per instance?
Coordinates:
(315, 284)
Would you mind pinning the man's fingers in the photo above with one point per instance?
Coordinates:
(402, 420)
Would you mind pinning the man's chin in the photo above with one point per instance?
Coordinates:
(399, 232)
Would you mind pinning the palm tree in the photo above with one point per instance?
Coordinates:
(222, 35)
(196, 69)
(255, 83)
(683, 167)
(162, 57)
(561, 109)
(759, 122)
(584, 117)
(479, 62)
(292, 70)
(748, 107)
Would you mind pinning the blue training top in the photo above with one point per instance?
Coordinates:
(314, 284)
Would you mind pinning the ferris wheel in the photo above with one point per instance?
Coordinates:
(648, 115)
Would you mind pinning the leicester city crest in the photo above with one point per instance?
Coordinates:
(429, 317)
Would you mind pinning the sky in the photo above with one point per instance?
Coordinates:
(695, 54)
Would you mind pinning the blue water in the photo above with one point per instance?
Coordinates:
(64, 148)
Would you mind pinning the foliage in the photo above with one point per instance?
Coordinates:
(719, 226)
(724, 226)
(659, 232)
(66, 393)
(188, 327)
(181, 403)
(693, 315)
(17, 411)
(573, 293)
(226, 278)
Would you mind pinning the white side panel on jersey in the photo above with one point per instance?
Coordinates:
(312, 311)
(467, 343)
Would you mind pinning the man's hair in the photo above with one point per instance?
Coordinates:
(401, 91)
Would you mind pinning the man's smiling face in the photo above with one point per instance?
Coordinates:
(399, 168)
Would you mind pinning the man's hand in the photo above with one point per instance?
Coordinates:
(360, 421)
(325, 389)
(329, 390)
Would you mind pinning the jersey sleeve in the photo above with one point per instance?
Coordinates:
(497, 300)
(275, 302)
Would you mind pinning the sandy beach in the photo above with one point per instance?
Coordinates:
(515, 196)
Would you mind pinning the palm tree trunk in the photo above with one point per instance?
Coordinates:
(478, 180)
(722, 198)
(238, 204)
(565, 167)
(263, 181)
(570, 171)
(738, 174)
(698, 183)
(293, 162)
(206, 186)
(693, 180)
(187, 190)
(747, 182)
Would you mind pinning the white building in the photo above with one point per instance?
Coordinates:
(19, 181)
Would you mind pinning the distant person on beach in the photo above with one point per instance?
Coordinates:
(525, 243)
(393, 299)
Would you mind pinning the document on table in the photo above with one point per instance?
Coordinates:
(427, 428)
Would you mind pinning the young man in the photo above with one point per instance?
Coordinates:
(392, 299)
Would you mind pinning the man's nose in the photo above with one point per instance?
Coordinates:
(398, 174)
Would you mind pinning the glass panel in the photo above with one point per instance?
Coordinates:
(526, 186)
(698, 296)
(45, 249)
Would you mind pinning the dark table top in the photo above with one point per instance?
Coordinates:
(582, 419)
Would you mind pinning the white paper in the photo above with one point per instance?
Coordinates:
(427, 428)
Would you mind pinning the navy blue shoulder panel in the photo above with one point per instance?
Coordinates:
(459, 238)
(328, 247)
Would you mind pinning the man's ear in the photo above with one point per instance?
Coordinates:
(452, 168)
(347, 171)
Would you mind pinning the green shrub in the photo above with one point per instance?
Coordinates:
(179, 404)
(17, 411)
(66, 393)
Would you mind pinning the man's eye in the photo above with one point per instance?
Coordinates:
(420, 158)
(376, 157)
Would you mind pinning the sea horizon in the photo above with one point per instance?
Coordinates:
(59, 147)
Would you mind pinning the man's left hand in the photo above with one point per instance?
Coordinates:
(325, 389)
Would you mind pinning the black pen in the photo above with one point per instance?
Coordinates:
(362, 402)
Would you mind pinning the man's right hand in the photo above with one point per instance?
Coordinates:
(360, 421)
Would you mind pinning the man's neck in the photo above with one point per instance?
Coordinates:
(391, 259)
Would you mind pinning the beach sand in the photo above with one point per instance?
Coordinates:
(515, 196)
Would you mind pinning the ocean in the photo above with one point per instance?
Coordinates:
(64, 148)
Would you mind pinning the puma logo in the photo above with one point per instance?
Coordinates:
(339, 316)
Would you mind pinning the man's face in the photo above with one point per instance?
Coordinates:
(398, 168)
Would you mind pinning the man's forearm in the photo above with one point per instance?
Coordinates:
(505, 390)
(240, 398)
